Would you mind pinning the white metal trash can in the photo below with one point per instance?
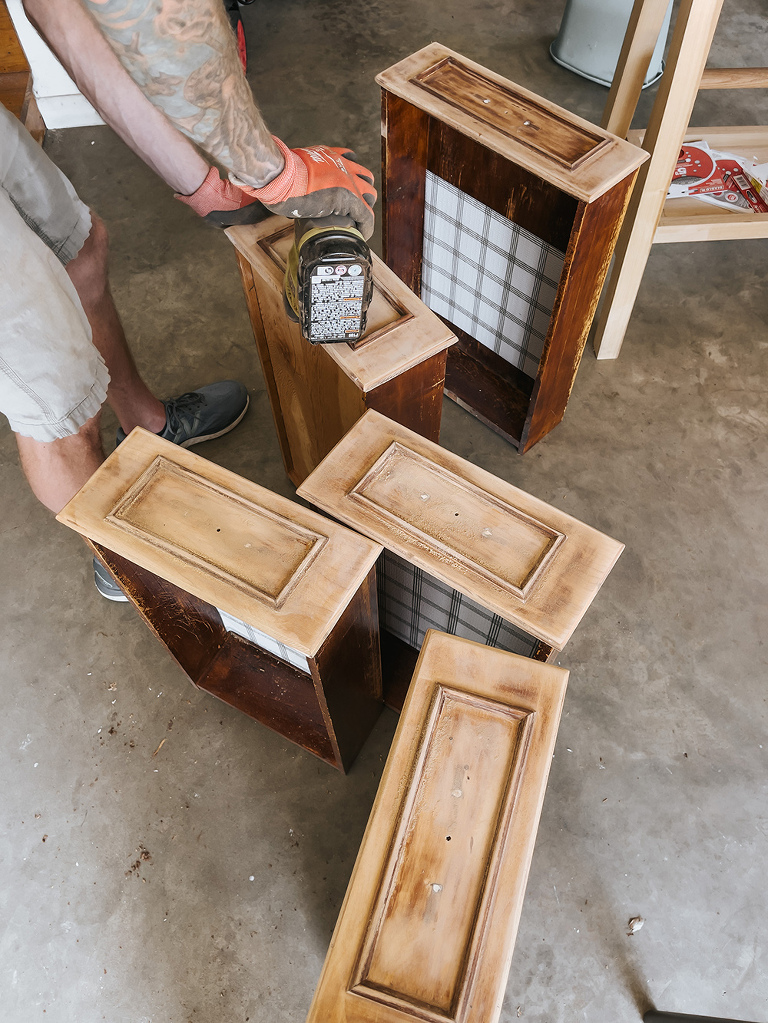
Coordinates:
(590, 38)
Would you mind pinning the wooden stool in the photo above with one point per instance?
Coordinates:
(264, 604)
(651, 218)
(501, 210)
(464, 552)
(318, 392)
(428, 925)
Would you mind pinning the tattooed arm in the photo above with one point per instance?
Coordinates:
(182, 55)
(71, 34)
(184, 68)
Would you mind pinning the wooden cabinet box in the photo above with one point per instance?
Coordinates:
(464, 552)
(318, 392)
(265, 604)
(501, 210)
(428, 925)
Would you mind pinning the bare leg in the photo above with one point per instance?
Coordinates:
(56, 470)
(132, 401)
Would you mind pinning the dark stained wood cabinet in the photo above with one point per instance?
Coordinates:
(317, 392)
(501, 210)
(264, 604)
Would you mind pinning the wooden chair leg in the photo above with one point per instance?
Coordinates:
(643, 29)
(695, 26)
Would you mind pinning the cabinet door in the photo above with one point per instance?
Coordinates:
(428, 924)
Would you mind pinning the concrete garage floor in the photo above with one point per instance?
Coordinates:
(201, 881)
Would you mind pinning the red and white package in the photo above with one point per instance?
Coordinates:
(721, 179)
(696, 172)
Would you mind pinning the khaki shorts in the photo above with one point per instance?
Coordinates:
(52, 378)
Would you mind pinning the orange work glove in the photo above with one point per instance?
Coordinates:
(223, 203)
(318, 181)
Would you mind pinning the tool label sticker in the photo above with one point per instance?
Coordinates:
(336, 302)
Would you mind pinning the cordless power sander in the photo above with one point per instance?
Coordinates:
(328, 280)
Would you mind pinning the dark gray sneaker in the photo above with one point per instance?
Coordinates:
(201, 415)
(105, 582)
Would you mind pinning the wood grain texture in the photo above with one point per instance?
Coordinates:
(691, 40)
(734, 78)
(643, 28)
(268, 370)
(580, 159)
(428, 925)
(587, 259)
(273, 693)
(512, 190)
(381, 480)
(415, 398)
(264, 559)
(405, 132)
(15, 79)
(401, 331)
(347, 675)
(190, 628)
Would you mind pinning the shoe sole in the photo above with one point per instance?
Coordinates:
(212, 436)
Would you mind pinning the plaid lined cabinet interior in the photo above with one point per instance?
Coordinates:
(501, 210)
(464, 552)
(266, 605)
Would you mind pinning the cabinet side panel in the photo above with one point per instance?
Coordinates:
(252, 301)
(317, 402)
(588, 257)
(415, 398)
(190, 628)
(405, 142)
(349, 673)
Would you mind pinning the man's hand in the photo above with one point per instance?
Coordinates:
(224, 204)
(318, 181)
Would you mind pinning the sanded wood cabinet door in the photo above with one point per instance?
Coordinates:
(428, 924)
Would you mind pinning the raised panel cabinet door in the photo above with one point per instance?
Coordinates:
(503, 551)
(428, 924)
(501, 210)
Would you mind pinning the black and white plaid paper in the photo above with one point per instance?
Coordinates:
(412, 601)
(266, 642)
(488, 276)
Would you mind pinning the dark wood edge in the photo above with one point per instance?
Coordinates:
(405, 147)
(588, 257)
(190, 628)
(347, 674)
(415, 397)
(544, 652)
(262, 346)
(272, 692)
